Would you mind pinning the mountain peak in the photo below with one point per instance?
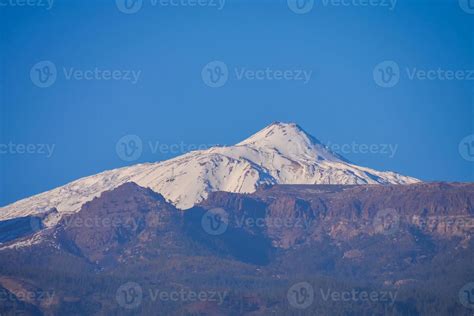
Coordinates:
(283, 124)
(290, 140)
(276, 132)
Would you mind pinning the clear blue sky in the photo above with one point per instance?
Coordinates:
(171, 104)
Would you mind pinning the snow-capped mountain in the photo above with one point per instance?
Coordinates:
(281, 153)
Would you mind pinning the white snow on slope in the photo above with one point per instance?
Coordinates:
(281, 153)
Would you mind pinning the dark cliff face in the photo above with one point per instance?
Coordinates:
(383, 232)
(134, 221)
(132, 224)
(120, 224)
(422, 198)
(389, 237)
(296, 214)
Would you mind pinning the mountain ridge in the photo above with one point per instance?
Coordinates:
(281, 153)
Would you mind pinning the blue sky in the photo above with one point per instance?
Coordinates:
(143, 73)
